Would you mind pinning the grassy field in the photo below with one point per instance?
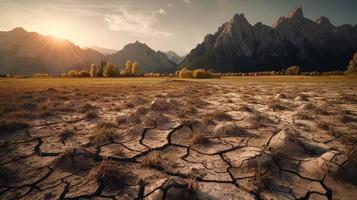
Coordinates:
(27, 83)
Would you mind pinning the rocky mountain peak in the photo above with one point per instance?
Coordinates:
(239, 18)
(324, 21)
(136, 46)
(297, 13)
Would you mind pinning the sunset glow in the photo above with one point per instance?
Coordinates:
(177, 25)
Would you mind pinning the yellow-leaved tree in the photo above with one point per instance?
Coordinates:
(93, 70)
(135, 68)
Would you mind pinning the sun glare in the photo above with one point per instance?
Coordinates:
(58, 34)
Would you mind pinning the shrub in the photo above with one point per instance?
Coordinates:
(110, 70)
(73, 73)
(93, 71)
(186, 73)
(201, 73)
(83, 73)
(293, 70)
(41, 75)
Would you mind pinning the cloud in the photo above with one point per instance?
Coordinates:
(137, 22)
(187, 1)
(161, 11)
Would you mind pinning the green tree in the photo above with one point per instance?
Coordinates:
(101, 68)
(110, 70)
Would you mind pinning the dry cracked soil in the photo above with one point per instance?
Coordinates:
(176, 139)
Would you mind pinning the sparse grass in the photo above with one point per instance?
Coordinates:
(153, 160)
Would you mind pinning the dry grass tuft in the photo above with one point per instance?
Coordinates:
(219, 115)
(261, 179)
(245, 108)
(153, 160)
(108, 174)
(256, 121)
(120, 119)
(199, 138)
(67, 133)
(304, 115)
(86, 108)
(103, 132)
(277, 105)
(192, 186)
(345, 118)
(91, 115)
(324, 125)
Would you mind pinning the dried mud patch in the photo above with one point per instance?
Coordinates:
(179, 139)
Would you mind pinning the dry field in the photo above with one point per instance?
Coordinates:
(157, 138)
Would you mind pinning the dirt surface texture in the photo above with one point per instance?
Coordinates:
(179, 139)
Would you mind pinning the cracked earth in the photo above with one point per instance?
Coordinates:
(181, 140)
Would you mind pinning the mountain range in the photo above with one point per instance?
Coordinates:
(26, 53)
(238, 46)
(23, 53)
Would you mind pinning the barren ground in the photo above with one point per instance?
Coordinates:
(234, 138)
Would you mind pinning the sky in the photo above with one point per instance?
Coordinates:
(177, 25)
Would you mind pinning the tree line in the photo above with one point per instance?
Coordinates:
(107, 69)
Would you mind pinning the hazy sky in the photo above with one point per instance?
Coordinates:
(177, 25)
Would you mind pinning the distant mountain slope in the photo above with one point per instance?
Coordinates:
(23, 53)
(171, 55)
(103, 50)
(293, 40)
(150, 60)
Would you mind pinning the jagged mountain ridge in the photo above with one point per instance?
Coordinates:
(292, 40)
